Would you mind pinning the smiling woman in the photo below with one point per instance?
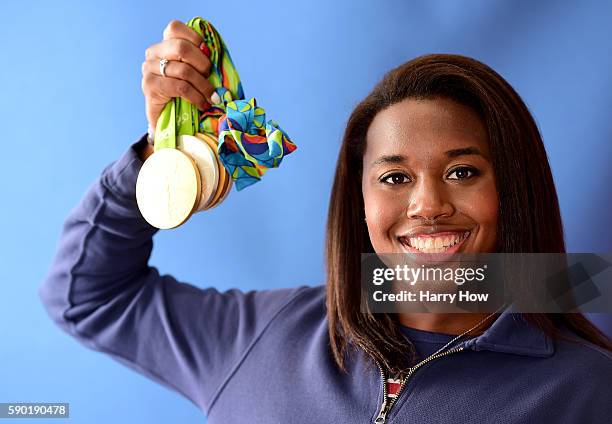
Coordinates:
(428, 179)
(429, 187)
(442, 156)
(450, 160)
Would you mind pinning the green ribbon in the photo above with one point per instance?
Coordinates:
(179, 117)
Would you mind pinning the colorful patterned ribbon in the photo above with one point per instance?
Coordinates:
(248, 146)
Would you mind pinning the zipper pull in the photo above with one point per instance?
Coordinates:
(382, 415)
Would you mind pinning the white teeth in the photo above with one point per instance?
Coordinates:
(435, 244)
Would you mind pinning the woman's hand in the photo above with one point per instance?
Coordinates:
(186, 72)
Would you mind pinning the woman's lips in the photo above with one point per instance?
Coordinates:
(428, 242)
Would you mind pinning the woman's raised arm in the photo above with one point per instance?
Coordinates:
(102, 291)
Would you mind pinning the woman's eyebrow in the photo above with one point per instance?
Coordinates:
(388, 159)
(472, 150)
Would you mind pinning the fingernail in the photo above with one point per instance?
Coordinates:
(215, 99)
(204, 49)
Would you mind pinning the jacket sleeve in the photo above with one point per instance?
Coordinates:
(101, 290)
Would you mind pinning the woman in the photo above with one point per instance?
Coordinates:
(441, 148)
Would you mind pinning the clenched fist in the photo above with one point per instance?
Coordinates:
(186, 72)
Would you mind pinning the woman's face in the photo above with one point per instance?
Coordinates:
(428, 183)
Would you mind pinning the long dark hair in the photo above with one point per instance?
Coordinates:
(529, 216)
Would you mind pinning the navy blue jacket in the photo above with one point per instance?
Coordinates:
(263, 356)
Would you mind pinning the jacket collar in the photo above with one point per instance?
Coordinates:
(510, 333)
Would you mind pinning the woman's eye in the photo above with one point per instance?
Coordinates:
(462, 173)
(395, 179)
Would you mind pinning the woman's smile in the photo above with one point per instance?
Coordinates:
(428, 183)
(439, 242)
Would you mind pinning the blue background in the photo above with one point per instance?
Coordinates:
(70, 79)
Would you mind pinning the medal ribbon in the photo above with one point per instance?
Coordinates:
(247, 145)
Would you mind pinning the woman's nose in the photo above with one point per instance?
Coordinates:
(429, 201)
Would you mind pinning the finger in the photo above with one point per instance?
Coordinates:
(171, 87)
(177, 29)
(182, 51)
(182, 71)
(153, 111)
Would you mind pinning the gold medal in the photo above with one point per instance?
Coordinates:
(206, 162)
(228, 187)
(173, 184)
(185, 174)
(224, 177)
(167, 188)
